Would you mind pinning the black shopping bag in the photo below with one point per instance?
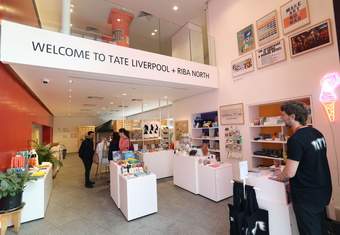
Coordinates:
(256, 219)
(237, 211)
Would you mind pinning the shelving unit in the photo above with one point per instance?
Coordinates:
(259, 114)
(206, 134)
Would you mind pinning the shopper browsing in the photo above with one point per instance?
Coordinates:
(114, 145)
(124, 141)
(86, 152)
(307, 170)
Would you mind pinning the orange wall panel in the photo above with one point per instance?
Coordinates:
(18, 110)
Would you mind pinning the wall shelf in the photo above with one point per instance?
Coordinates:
(260, 126)
(269, 141)
(268, 114)
(266, 157)
(203, 128)
(207, 138)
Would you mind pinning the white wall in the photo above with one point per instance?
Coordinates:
(65, 130)
(155, 114)
(292, 78)
(187, 43)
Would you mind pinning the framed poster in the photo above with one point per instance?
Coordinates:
(310, 39)
(294, 15)
(267, 28)
(242, 65)
(232, 114)
(336, 6)
(181, 127)
(246, 40)
(271, 54)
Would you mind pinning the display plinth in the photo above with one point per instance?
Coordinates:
(215, 182)
(114, 182)
(161, 163)
(185, 172)
(138, 196)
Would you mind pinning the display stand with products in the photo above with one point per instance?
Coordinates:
(138, 196)
(268, 133)
(204, 176)
(133, 191)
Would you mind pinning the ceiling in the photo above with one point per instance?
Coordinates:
(107, 91)
(110, 103)
(94, 13)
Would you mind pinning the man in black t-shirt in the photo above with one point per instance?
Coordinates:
(307, 171)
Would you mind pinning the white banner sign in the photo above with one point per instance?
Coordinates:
(32, 46)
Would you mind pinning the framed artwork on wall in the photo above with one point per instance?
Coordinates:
(271, 54)
(310, 39)
(181, 127)
(242, 65)
(246, 39)
(294, 15)
(336, 6)
(232, 114)
(267, 28)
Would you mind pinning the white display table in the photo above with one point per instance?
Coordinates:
(215, 182)
(160, 162)
(271, 196)
(185, 172)
(36, 196)
(114, 182)
(138, 196)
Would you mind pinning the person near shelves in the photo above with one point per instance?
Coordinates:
(307, 170)
(86, 152)
(124, 140)
(114, 145)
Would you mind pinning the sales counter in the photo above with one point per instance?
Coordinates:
(273, 196)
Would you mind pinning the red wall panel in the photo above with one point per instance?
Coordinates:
(18, 110)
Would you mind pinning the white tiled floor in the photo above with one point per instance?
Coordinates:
(74, 210)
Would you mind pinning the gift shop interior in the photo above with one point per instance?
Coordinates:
(175, 117)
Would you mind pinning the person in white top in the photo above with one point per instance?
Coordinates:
(100, 148)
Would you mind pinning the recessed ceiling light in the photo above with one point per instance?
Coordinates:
(124, 94)
(165, 97)
(118, 20)
(153, 33)
(70, 96)
(156, 30)
(72, 5)
(70, 81)
(71, 10)
(175, 8)
(112, 102)
(71, 25)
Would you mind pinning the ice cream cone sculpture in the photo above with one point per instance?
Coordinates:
(328, 97)
(330, 110)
